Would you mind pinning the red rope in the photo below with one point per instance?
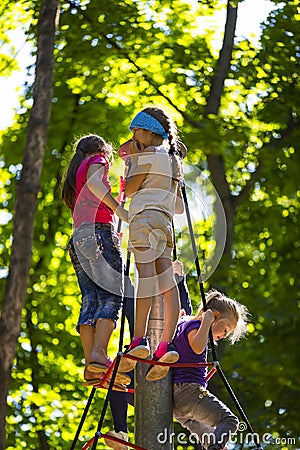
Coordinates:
(156, 363)
(101, 382)
(112, 438)
(149, 361)
(210, 373)
(88, 444)
(100, 385)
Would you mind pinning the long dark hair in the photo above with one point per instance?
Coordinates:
(168, 124)
(84, 147)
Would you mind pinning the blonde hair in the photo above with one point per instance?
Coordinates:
(229, 308)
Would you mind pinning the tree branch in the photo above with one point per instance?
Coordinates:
(148, 78)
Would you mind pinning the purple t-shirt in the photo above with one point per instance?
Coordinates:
(187, 355)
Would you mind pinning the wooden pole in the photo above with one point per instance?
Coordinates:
(153, 400)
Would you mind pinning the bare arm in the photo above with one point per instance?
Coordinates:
(198, 337)
(134, 181)
(96, 186)
(179, 208)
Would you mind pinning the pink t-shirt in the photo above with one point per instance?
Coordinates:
(89, 208)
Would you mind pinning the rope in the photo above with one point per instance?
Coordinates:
(86, 409)
(99, 435)
(157, 363)
(212, 344)
(213, 366)
(114, 368)
(118, 358)
(196, 259)
(112, 438)
(174, 247)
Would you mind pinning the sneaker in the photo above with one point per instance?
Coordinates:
(117, 445)
(138, 347)
(165, 353)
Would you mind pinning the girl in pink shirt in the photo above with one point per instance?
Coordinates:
(95, 250)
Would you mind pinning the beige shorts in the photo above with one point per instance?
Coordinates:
(152, 230)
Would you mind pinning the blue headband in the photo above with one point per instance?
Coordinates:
(146, 121)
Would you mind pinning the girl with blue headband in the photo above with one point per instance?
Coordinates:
(153, 186)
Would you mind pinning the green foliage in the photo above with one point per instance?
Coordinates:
(13, 15)
(113, 58)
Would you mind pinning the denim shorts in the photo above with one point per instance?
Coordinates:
(97, 259)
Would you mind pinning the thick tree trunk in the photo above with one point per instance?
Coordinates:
(25, 205)
(215, 162)
(223, 65)
(218, 175)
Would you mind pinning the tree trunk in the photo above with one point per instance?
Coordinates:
(26, 200)
(223, 65)
(215, 162)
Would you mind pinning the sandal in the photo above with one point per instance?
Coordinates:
(97, 367)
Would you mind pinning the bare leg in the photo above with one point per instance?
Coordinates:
(103, 332)
(171, 298)
(95, 340)
(87, 336)
(164, 352)
(146, 282)
(171, 314)
(143, 308)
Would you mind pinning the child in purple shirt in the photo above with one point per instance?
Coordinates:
(195, 407)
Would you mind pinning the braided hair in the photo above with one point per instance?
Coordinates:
(170, 127)
(84, 147)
